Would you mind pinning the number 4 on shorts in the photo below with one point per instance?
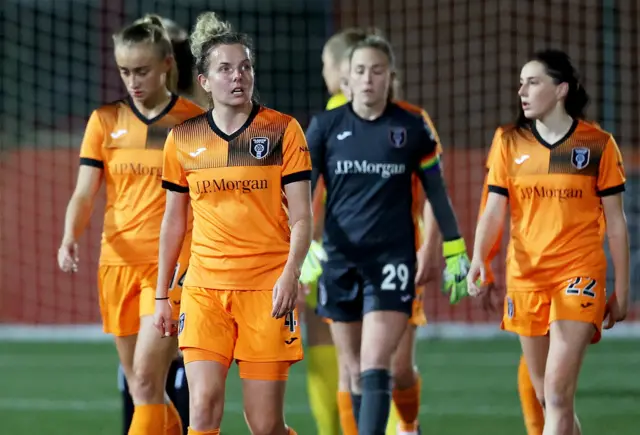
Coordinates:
(175, 275)
(582, 286)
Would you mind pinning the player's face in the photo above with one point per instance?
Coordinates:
(370, 76)
(539, 94)
(143, 72)
(230, 77)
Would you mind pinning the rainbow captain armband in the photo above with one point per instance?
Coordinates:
(430, 162)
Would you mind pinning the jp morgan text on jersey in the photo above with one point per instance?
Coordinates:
(135, 169)
(545, 192)
(385, 170)
(224, 185)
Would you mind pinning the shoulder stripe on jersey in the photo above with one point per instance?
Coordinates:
(612, 190)
(92, 162)
(499, 190)
(430, 162)
(296, 176)
(174, 187)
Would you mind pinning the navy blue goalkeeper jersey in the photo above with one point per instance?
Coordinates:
(367, 168)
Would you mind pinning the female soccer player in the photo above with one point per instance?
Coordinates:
(233, 165)
(367, 286)
(123, 145)
(406, 380)
(532, 411)
(560, 177)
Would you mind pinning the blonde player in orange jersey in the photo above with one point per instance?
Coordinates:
(122, 146)
(560, 178)
(245, 170)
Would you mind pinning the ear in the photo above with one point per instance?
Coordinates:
(168, 63)
(562, 90)
(204, 82)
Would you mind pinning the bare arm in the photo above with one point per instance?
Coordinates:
(172, 232)
(618, 235)
(301, 219)
(81, 203)
(489, 226)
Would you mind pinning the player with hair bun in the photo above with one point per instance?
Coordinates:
(123, 146)
(245, 171)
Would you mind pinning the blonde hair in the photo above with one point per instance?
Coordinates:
(150, 29)
(340, 44)
(210, 31)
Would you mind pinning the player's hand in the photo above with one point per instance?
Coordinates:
(285, 293)
(488, 290)
(68, 256)
(425, 258)
(616, 311)
(456, 269)
(312, 266)
(477, 275)
(162, 318)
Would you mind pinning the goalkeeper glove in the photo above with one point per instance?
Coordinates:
(312, 266)
(456, 269)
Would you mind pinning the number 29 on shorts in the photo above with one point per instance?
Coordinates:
(395, 277)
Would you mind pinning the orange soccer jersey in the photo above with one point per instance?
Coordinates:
(128, 147)
(555, 201)
(235, 182)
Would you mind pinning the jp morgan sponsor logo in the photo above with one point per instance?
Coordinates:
(225, 185)
(135, 169)
(542, 192)
(385, 170)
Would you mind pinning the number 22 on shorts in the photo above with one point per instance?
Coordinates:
(394, 275)
(582, 286)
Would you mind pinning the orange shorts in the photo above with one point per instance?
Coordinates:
(581, 299)
(127, 293)
(227, 325)
(418, 317)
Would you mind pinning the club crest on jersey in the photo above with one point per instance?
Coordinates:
(259, 147)
(180, 323)
(397, 136)
(580, 157)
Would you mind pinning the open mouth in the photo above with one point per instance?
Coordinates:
(237, 92)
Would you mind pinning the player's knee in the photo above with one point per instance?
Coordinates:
(206, 407)
(148, 383)
(261, 423)
(558, 392)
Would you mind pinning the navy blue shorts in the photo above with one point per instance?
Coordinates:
(347, 292)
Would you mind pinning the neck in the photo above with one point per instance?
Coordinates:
(556, 123)
(369, 112)
(230, 118)
(154, 104)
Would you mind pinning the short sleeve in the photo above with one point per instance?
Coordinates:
(611, 176)
(296, 163)
(498, 178)
(173, 175)
(92, 143)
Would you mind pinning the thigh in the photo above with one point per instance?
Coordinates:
(264, 405)
(389, 286)
(381, 334)
(526, 313)
(260, 337)
(581, 299)
(568, 341)
(535, 351)
(154, 352)
(119, 296)
(206, 329)
(340, 293)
